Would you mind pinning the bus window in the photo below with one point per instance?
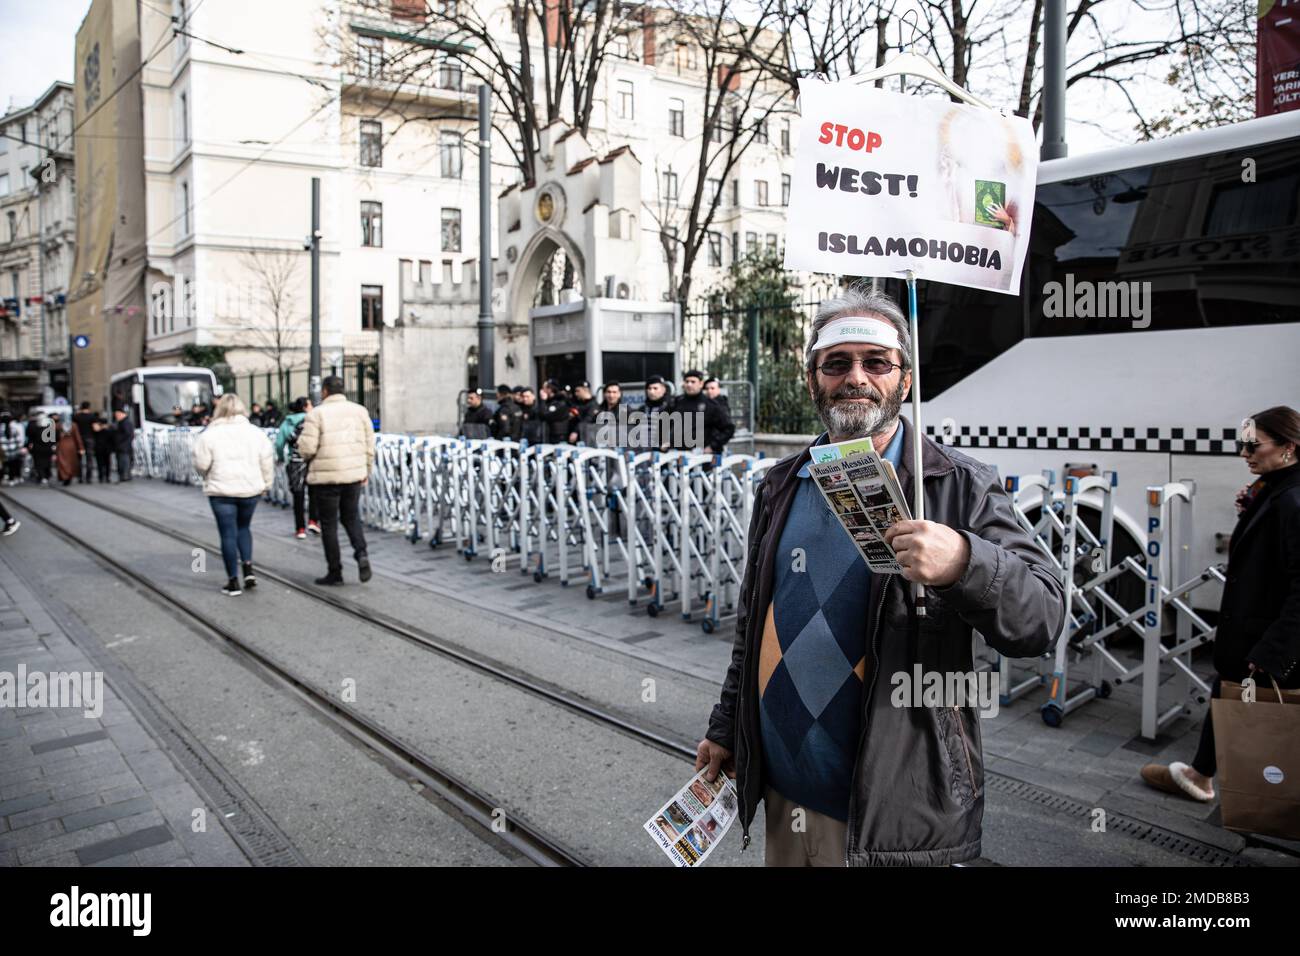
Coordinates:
(163, 392)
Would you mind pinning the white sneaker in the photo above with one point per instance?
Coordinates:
(11, 527)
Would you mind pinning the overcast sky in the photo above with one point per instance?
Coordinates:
(40, 37)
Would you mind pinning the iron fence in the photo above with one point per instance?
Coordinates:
(759, 341)
(360, 378)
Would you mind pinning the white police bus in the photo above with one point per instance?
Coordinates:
(150, 393)
(1195, 242)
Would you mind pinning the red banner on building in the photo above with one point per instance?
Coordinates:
(1277, 57)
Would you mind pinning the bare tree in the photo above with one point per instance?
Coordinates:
(276, 329)
(1112, 42)
(742, 74)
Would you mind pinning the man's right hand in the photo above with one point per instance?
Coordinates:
(714, 756)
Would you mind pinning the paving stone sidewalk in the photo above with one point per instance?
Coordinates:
(79, 790)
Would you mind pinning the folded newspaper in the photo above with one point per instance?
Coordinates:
(690, 825)
(863, 492)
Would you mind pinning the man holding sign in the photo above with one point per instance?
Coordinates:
(806, 719)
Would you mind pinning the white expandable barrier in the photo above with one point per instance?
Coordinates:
(1089, 569)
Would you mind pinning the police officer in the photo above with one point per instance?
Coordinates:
(717, 425)
(531, 426)
(656, 404)
(554, 412)
(476, 414)
(506, 422)
(582, 410)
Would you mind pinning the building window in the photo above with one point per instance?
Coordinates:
(785, 137)
(785, 189)
(451, 148)
(735, 193)
(450, 74)
(185, 118)
(185, 209)
(771, 242)
(751, 243)
(676, 118)
(715, 249)
(13, 225)
(715, 190)
(761, 134)
(370, 57)
(735, 246)
(372, 224)
(451, 230)
(372, 306)
(626, 100)
(372, 143)
(4, 184)
(760, 192)
(684, 56)
(670, 187)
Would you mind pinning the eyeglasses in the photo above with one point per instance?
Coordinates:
(1250, 447)
(841, 365)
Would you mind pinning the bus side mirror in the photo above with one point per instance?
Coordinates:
(137, 394)
(218, 390)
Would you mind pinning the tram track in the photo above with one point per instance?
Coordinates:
(431, 642)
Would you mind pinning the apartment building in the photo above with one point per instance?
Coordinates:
(37, 239)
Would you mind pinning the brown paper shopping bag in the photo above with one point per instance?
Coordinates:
(1257, 746)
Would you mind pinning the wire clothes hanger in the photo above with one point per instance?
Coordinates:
(913, 64)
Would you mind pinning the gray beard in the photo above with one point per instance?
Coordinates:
(845, 421)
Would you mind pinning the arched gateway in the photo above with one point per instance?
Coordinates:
(570, 298)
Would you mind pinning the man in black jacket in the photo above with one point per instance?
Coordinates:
(553, 411)
(712, 427)
(123, 441)
(806, 716)
(530, 416)
(582, 410)
(506, 420)
(476, 415)
(84, 419)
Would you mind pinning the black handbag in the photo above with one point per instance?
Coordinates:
(296, 469)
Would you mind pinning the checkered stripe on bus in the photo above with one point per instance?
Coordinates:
(1178, 441)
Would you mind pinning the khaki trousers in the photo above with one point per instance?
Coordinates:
(797, 836)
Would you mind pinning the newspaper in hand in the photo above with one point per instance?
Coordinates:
(863, 492)
(690, 825)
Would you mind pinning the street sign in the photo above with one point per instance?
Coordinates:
(81, 341)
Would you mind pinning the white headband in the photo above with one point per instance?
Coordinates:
(858, 329)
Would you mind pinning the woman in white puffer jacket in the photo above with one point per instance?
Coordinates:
(234, 459)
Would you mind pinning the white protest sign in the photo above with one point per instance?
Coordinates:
(885, 182)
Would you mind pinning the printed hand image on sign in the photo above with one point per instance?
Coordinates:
(886, 182)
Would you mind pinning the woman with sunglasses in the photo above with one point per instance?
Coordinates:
(1259, 616)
